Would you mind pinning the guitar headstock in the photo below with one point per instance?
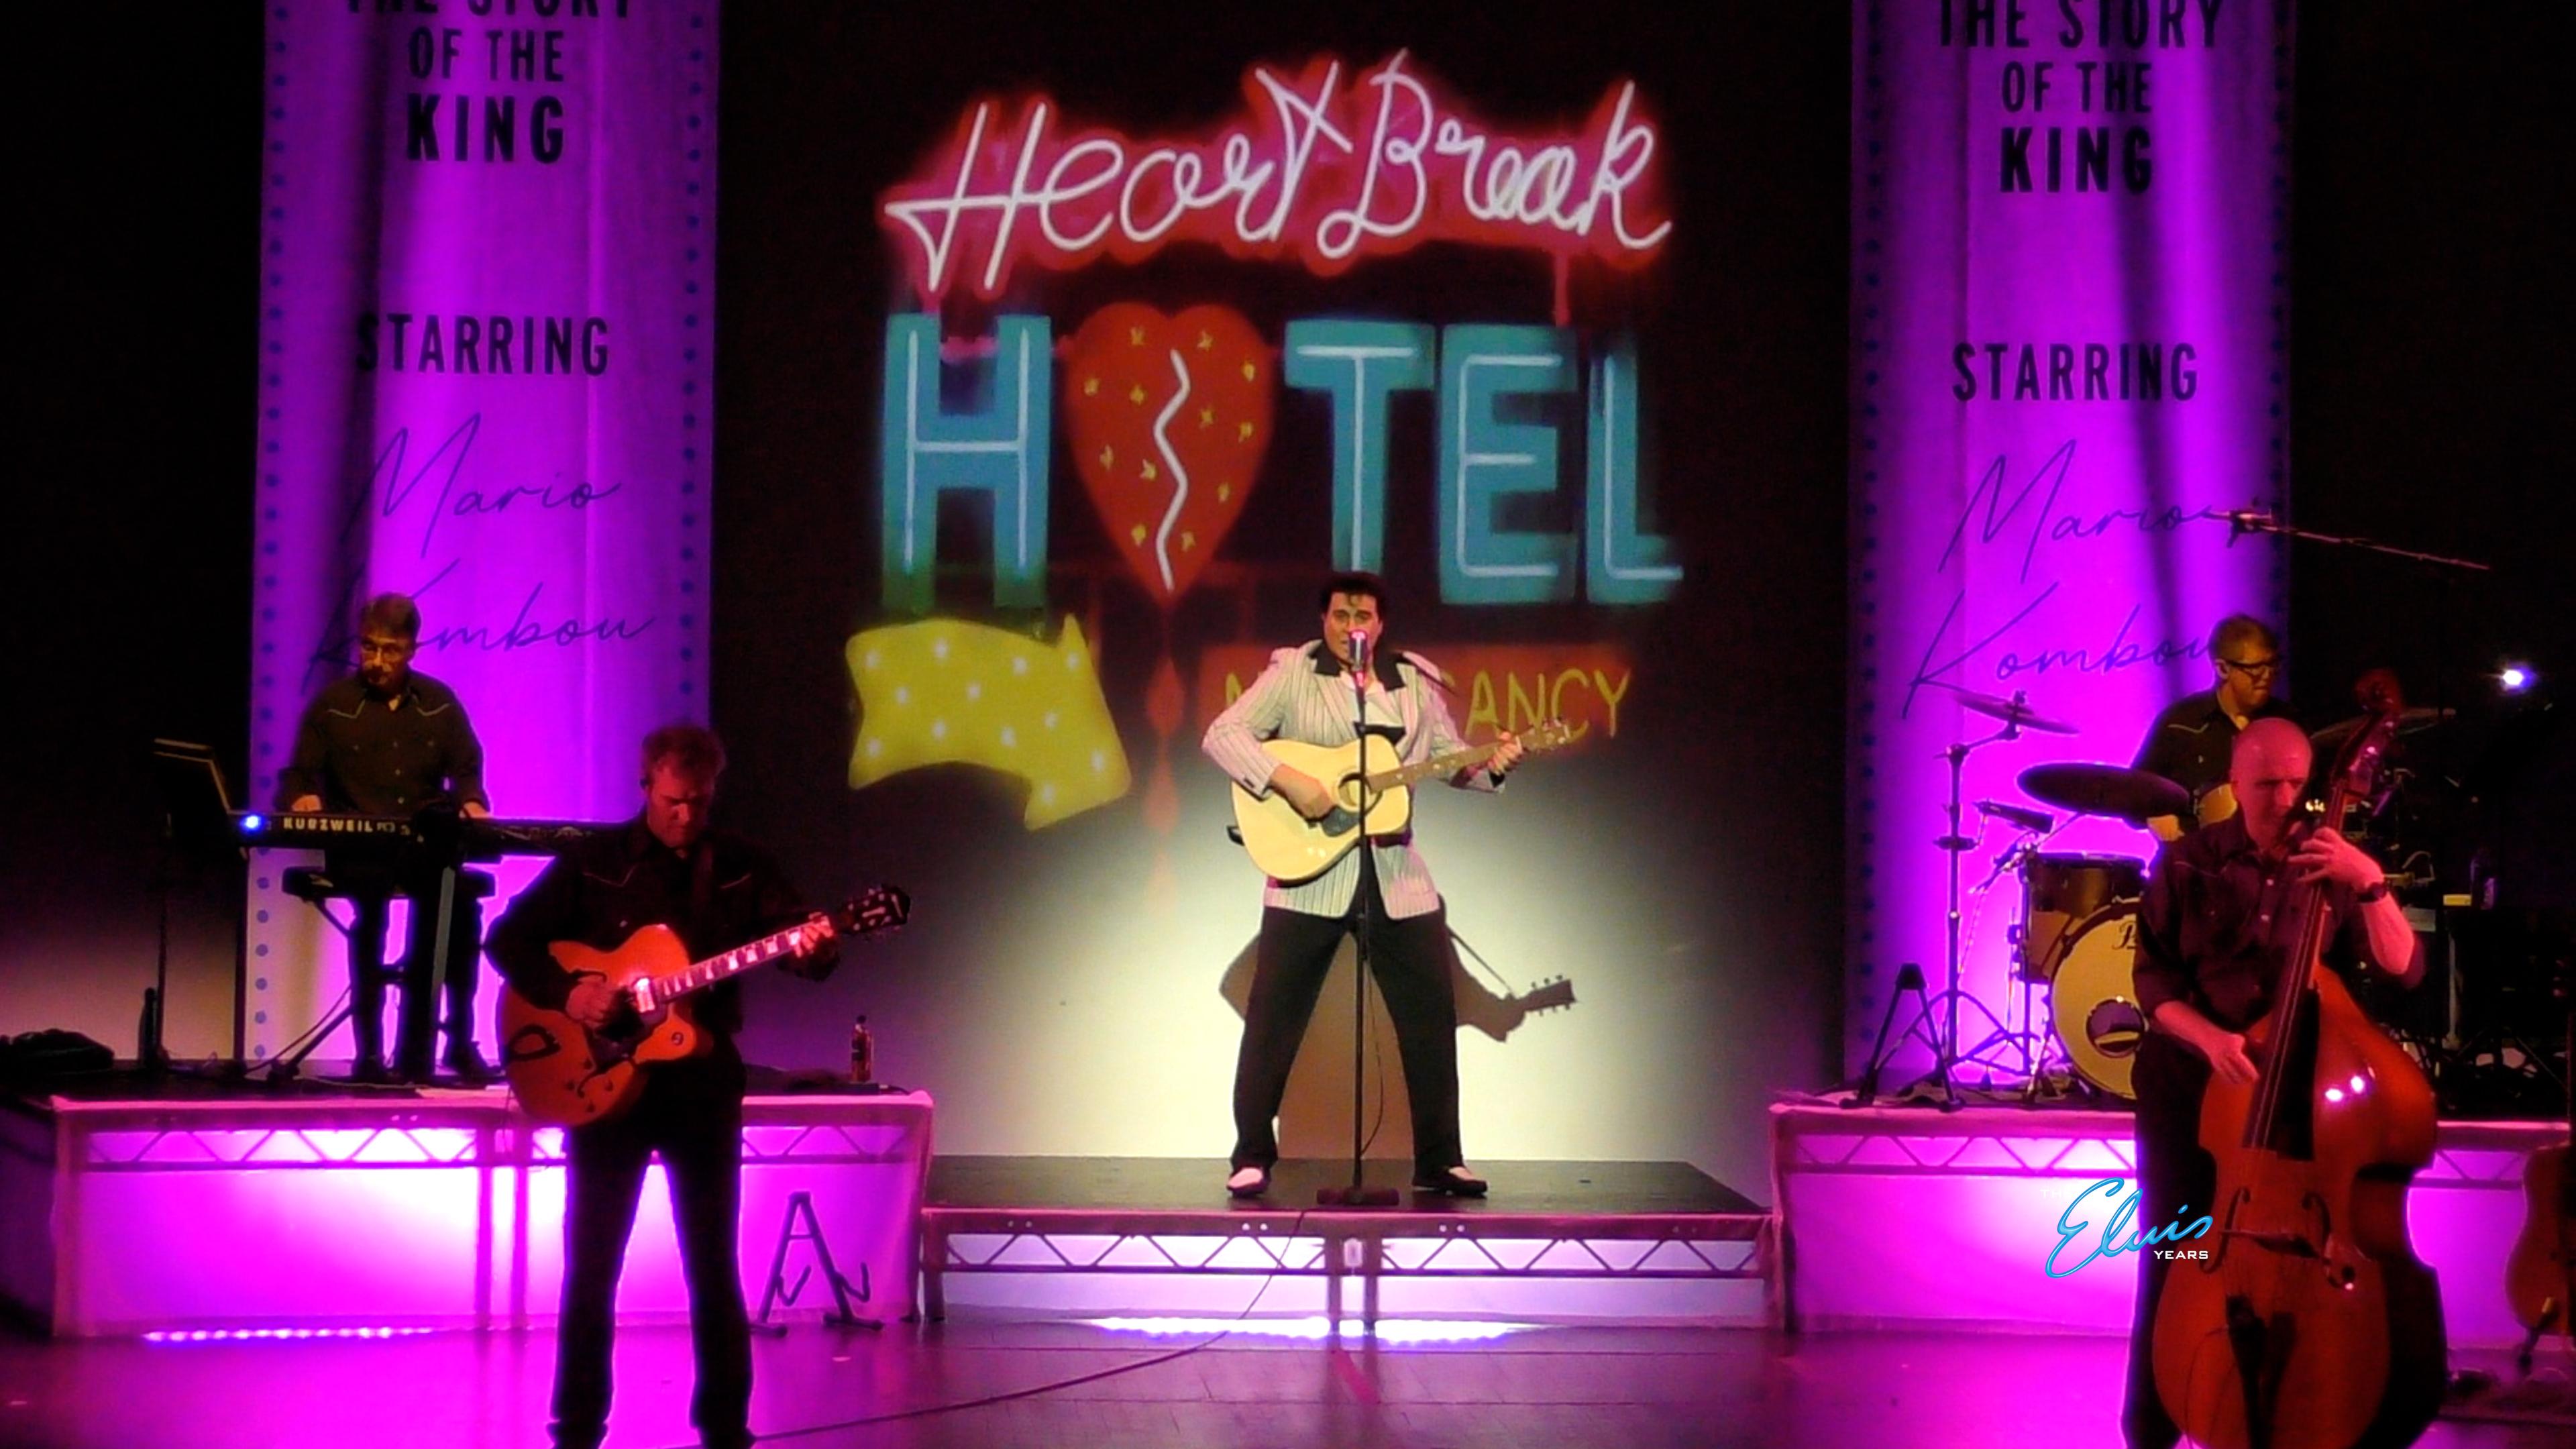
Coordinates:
(1551, 995)
(1555, 734)
(878, 908)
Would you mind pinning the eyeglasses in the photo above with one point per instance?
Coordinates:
(2252, 668)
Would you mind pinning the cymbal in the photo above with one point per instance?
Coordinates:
(2132, 795)
(2408, 722)
(2014, 711)
(2017, 817)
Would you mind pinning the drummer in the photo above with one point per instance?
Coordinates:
(2190, 742)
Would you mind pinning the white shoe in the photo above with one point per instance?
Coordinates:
(1248, 1182)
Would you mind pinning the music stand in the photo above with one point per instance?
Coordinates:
(196, 825)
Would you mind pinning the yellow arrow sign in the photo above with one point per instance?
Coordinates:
(944, 692)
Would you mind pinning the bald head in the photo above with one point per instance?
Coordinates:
(2268, 773)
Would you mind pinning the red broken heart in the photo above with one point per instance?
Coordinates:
(1169, 418)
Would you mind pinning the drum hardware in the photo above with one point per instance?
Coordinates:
(2021, 1043)
(2017, 715)
(2015, 712)
(2030, 822)
(2028, 1043)
(1939, 1016)
(2330, 738)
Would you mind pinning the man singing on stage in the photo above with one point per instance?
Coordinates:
(1309, 694)
(718, 891)
(2219, 920)
(2189, 743)
(391, 741)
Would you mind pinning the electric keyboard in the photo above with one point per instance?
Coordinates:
(432, 835)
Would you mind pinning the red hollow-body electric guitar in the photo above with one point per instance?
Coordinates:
(565, 1073)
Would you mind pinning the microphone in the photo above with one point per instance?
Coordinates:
(2242, 521)
(1360, 655)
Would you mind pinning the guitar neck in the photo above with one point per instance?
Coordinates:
(703, 974)
(1437, 767)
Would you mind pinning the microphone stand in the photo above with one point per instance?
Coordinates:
(2447, 570)
(1363, 901)
(2248, 521)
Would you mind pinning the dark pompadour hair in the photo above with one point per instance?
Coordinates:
(1354, 583)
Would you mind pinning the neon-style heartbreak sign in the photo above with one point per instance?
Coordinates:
(1317, 171)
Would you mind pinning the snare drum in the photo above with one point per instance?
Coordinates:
(2060, 893)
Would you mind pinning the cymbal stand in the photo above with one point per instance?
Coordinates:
(2027, 1040)
(1946, 1061)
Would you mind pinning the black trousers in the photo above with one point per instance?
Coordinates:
(1410, 959)
(415, 1034)
(690, 1113)
(2173, 1172)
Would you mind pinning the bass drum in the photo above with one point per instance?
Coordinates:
(2093, 1003)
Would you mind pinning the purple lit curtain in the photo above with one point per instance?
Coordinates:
(2069, 301)
(485, 357)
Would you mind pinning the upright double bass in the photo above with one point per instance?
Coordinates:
(2311, 1324)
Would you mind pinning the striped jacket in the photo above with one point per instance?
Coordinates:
(1306, 695)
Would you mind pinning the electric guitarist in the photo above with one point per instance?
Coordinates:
(1312, 694)
(716, 891)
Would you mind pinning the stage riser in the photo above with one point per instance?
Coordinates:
(328, 1215)
(1554, 1280)
(1907, 1218)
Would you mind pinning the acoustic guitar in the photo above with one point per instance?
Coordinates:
(568, 1074)
(1289, 847)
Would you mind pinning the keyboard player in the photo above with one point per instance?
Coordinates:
(388, 741)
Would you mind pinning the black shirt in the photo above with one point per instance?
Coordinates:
(366, 754)
(2191, 741)
(2220, 919)
(723, 893)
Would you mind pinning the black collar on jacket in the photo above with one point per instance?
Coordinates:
(1381, 663)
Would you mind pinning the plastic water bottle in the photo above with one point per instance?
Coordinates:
(863, 1052)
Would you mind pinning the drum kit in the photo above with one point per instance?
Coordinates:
(2499, 890)
(2076, 935)
(2075, 930)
